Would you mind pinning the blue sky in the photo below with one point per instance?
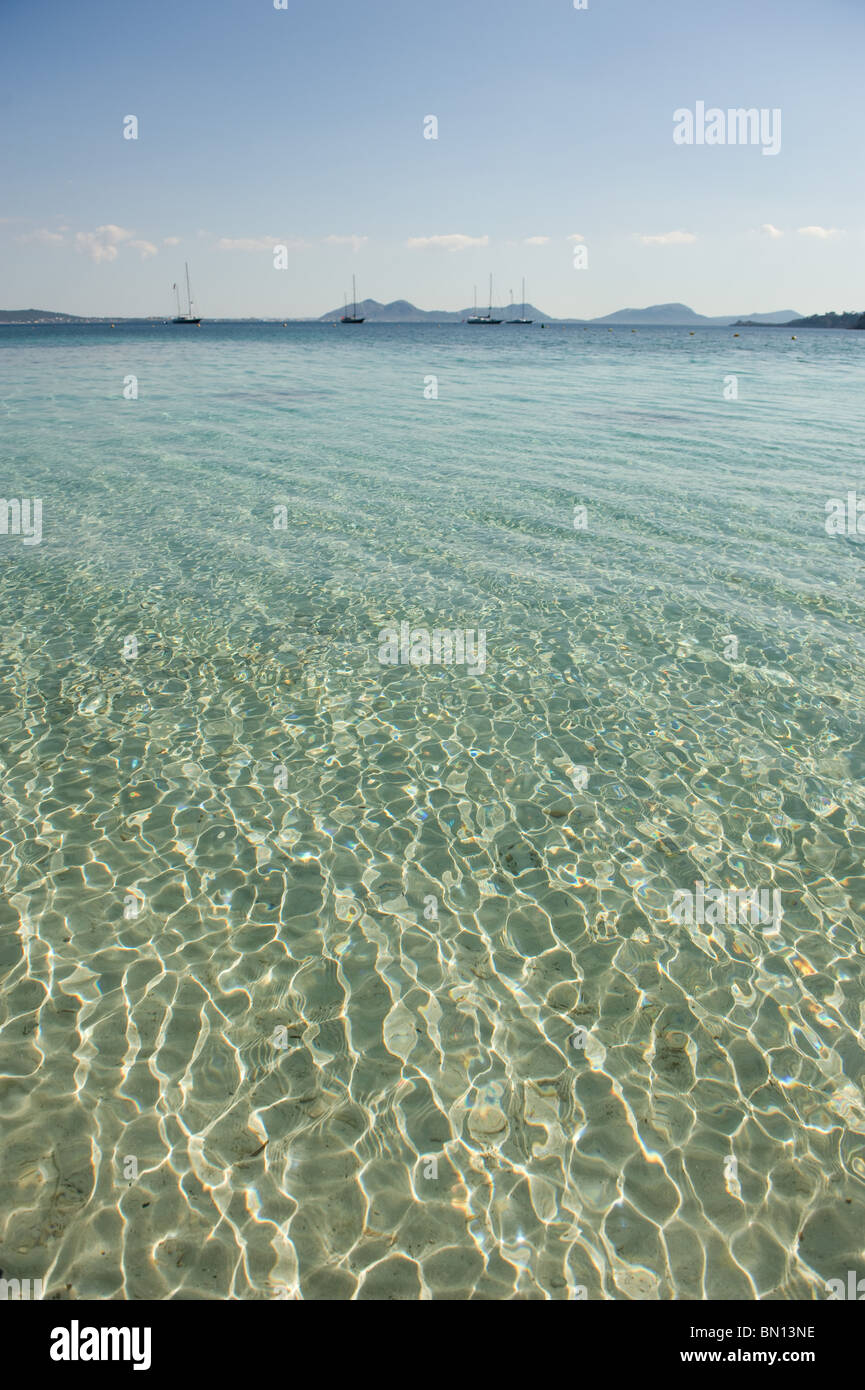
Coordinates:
(304, 126)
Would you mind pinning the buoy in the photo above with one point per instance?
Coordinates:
(691, 334)
(793, 339)
(735, 335)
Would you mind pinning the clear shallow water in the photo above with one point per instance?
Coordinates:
(246, 827)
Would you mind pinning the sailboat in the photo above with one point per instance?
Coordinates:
(188, 317)
(484, 318)
(523, 319)
(352, 317)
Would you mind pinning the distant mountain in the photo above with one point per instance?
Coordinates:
(657, 315)
(850, 318)
(400, 311)
(782, 317)
(37, 316)
(679, 315)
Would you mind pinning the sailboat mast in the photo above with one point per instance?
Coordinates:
(188, 291)
(491, 297)
(354, 295)
(177, 297)
(524, 296)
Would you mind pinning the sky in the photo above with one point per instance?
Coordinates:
(304, 127)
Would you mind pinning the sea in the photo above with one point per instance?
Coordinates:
(431, 811)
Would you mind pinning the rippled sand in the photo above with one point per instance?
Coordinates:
(325, 979)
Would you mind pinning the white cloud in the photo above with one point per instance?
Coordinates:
(86, 241)
(455, 241)
(43, 237)
(669, 239)
(101, 245)
(821, 233)
(772, 232)
(575, 236)
(145, 249)
(267, 243)
(355, 242)
(536, 240)
(171, 241)
(257, 243)
(110, 232)
(248, 243)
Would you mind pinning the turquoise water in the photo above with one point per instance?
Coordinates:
(328, 978)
